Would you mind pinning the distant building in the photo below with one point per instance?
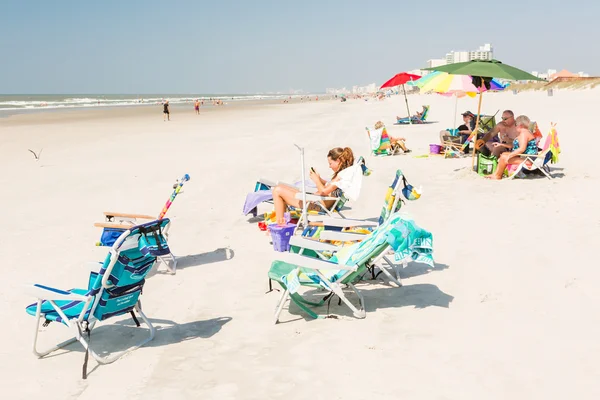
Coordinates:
(485, 52)
(436, 62)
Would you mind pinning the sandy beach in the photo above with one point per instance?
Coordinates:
(510, 311)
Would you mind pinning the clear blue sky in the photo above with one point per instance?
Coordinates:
(221, 46)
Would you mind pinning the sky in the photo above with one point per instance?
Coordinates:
(251, 46)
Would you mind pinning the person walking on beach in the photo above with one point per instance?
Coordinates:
(197, 107)
(166, 112)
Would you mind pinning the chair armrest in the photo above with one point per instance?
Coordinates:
(313, 263)
(126, 215)
(314, 197)
(49, 293)
(342, 236)
(543, 154)
(113, 225)
(311, 244)
(345, 223)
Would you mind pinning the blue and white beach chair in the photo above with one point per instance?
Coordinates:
(112, 291)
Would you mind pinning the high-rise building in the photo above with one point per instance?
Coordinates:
(436, 62)
(485, 52)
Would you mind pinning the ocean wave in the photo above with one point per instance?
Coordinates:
(17, 102)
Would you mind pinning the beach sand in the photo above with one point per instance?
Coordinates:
(510, 311)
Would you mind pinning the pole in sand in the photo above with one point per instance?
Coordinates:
(304, 217)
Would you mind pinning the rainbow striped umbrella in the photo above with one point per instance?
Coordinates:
(452, 85)
(442, 82)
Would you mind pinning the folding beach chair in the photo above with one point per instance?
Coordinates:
(532, 162)
(112, 291)
(348, 265)
(337, 231)
(116, 223)
(315, 203)
(414, 119)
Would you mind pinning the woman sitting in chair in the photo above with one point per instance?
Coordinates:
(396, 143)
(525, 143)
(339, 159)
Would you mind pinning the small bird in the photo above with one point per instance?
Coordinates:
(37, 156)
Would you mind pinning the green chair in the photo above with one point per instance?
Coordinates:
(347, 265)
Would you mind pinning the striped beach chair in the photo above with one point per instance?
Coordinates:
(112, 291)
(348, 265)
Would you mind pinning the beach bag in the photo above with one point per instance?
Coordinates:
(408, 191)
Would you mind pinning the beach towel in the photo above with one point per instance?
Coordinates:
(253, 199)
(405, 237)
(380, 140)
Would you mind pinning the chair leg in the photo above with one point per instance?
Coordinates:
(546, 171)
(42, 353)
(339, 292)
(396, 279)
(280, 304)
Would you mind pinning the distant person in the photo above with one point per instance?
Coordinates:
(197, 107)
(166, 112)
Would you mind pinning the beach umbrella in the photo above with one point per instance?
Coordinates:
(401, 79)
(482, 72)
(452, 85)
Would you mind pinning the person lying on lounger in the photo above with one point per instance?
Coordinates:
(419, 115)
(339, 159)
(524, 143)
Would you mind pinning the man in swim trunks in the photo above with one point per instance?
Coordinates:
(506, 131)
(166, 113)
(197, 107)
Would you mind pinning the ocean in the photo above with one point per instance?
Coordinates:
(15, 104)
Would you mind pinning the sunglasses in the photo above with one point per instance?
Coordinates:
(505, 118)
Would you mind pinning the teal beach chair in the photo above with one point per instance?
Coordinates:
(414, 119)
(348, 265)
(112, 291)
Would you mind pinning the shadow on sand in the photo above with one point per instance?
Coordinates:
(194, 260)
(121, 335)
(421, 295)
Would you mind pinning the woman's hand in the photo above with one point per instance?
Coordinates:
(316, 178)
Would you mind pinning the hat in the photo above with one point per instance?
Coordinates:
(468, 113)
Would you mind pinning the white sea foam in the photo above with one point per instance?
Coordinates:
(43, 102)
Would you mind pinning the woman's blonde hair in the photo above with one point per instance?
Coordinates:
(344, 155)
(378, 124)
(524, 121)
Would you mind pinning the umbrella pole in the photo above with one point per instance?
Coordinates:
(406, 100)
(476, 128)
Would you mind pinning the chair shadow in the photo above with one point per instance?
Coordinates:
(415, 269)
(217, 255)
(117, 337)
(171, 334)
(421, 295)
(192, 260)
(419, 123)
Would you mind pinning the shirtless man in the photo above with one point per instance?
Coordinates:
(506, 131)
